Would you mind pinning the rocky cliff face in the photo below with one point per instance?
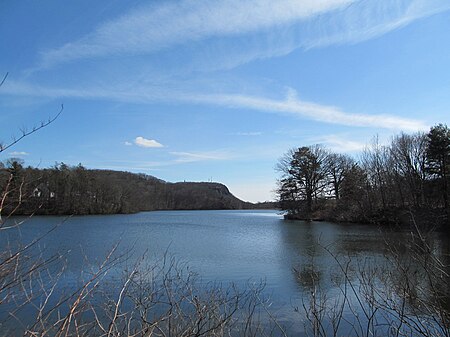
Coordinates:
(203, 196)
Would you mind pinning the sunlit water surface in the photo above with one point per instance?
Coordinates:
(242, 247)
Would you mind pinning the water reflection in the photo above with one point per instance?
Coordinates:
(369, 277)
(294, 258)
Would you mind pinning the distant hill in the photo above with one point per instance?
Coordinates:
(65, 189)
(192, 195)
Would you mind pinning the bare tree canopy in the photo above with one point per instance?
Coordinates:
(410, 173)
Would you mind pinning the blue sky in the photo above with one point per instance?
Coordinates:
(218, 90)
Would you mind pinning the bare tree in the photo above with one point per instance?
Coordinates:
(409, 153)
(374, 161)
(339, 166)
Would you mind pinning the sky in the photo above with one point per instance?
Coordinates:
(217, 90)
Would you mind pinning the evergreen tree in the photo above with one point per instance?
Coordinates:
(438, 157)
(305, 172)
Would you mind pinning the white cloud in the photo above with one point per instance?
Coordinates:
(340, 144)
(143, 142)
(128, 143)
(18, 153)
(290, 105)
(357, 22)
(249, 134)
(368, 19)
(285, 25)
(189, 157)
(155, 27)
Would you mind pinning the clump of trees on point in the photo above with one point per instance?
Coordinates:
(411, 173)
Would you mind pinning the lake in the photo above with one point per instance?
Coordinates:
(242, 247)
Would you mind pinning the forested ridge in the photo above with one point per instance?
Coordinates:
(64, 189)
(399, 182)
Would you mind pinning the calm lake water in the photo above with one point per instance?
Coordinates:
(221, 246)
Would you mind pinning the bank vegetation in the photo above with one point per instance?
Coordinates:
(385, 183)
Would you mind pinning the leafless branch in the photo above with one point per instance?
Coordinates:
(26, 133)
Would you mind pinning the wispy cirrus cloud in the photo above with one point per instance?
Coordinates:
(291, 105)
(270, 28)
(19, 153)
(155, 27)
(368, 19)
(248, 134)
(340, 143)
(190, 157)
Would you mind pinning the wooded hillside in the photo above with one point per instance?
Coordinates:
(64, 189)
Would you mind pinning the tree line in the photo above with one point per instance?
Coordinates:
(411, 173)
(64, 189)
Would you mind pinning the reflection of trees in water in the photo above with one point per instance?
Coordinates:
(307, 259)
(444, 254)
(403, 262)
(376, 282)
(422, 273)
(308, 277)
(313, 266)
